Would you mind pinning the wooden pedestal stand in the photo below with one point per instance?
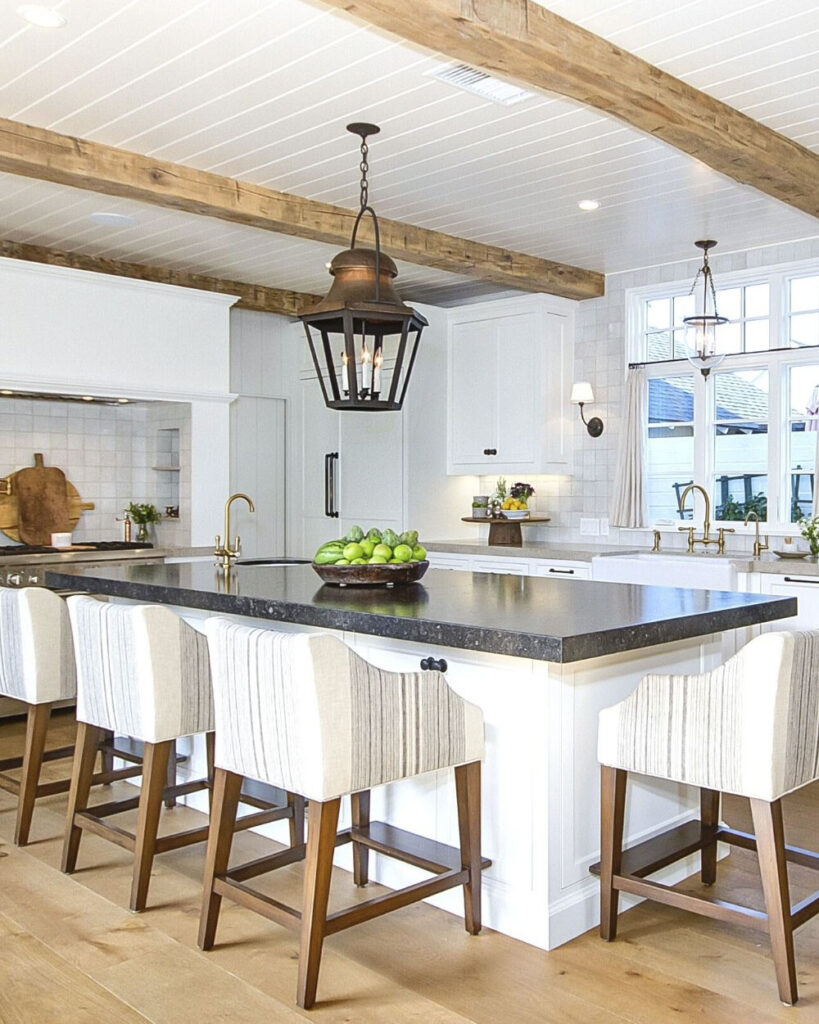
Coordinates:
(506, 532)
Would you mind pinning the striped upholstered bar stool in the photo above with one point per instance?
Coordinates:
(751, 728)
(36, 668)
(304, 712)
(143, 672)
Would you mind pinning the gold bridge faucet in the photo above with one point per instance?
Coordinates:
(224, 551)
(706, 538)
(759, 547)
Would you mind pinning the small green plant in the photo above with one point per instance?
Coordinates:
(142, 514)
(521, 492)
(810, 531)
(500, 489)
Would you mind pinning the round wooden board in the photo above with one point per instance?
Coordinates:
(8, 509)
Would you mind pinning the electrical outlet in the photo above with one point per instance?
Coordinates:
(589, 527)
(604, 526)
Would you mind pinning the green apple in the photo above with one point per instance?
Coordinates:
(368, 547)
(383, 551)
(343, 561)
(402, 552)
(419, 552)
(377, 560)
(397, 561)
(352, 551)
(359, 561)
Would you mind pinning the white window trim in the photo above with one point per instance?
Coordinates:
(774, 359)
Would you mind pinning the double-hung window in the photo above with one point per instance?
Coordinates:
(748, 433)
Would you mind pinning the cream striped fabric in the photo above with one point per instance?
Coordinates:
(141, 670)
(306, 713)
(36, 653)
(750, 727)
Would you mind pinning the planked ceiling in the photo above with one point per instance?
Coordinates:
(261, 90)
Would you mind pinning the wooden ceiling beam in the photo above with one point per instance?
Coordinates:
(80, 163)
(251, 296)
(523, 42)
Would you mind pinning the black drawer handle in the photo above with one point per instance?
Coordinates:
(490, 451)
(800, 579)
(564, 572)
(433, 665)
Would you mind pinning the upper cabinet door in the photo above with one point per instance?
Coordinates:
(509, 371)
(473, 394)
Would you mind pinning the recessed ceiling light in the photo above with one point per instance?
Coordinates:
(112, 220)
(123, 401)
(88, 398)
(589, 204)
(42, 17)
(6, 391)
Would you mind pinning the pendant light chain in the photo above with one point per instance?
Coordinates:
(708, 282)
(364, 166)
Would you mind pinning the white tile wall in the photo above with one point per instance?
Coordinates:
(600, 358)
(104, 452)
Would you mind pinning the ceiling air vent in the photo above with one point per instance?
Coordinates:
(462, 76)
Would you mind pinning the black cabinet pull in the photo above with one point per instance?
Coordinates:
(565, 572)
(433, 665)
(490, 451)
(330, 485)
(800, 579)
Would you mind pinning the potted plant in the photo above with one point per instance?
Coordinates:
(521, 493)
(144, 515)
(810, 531)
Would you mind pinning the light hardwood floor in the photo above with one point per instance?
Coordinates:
(71, 954)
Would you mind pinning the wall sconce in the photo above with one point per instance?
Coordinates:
(581, 394)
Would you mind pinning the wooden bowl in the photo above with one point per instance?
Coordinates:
(386, 575)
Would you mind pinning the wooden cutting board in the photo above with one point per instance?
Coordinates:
(38, 501)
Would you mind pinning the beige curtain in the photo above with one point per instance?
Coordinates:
(815, 509)
(628, 503)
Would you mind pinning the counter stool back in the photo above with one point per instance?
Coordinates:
(143, 672)
(37, 669)
(304, 712)
(749, 727)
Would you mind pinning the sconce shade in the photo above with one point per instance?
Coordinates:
(581, 393)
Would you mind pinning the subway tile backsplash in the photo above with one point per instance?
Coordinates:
(107, 452)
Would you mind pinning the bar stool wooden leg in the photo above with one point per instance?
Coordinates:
(321, 840)
(296, 804)
(709, 816)
(468, 792)
(106, 757)
(226, 790)
(612, 815)
(210, 754)
(36, 729)
(770, 838)
(154, 779)
(360, 806)
(85, 753)
(170, 800)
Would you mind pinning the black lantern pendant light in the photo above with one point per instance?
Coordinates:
(362, 337)
(701, 329)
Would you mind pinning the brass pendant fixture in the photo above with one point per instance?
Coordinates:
(362, 337)
(701, 328)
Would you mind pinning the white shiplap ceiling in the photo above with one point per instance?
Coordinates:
(261, 90)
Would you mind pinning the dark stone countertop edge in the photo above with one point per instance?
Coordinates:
(507, 642)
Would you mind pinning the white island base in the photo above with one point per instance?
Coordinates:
(540, 779)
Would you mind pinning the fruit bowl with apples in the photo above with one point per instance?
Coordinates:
(375, 558)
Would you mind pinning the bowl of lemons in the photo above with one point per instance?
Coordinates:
(513, 508)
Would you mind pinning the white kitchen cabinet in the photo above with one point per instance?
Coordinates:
(806, 591)
(507, 566)
(509, 374)
(352, 469)
(553, 569)
(561, 570)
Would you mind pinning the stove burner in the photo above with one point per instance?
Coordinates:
(99, 545)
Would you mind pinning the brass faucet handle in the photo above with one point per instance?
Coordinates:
(721, 537)
(690, 531)
(657, 539)
(237, 545)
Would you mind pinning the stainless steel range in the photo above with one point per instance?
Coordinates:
(24, 565)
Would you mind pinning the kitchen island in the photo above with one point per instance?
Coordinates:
(539, 657)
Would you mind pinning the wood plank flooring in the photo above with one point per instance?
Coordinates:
(70, 953)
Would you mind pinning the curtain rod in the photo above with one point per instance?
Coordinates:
(728, 355)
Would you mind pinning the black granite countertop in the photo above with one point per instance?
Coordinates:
(520, 616)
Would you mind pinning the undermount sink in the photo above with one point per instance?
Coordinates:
(697, 571)
(273, 561)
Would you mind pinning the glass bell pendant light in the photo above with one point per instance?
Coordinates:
(701, 328)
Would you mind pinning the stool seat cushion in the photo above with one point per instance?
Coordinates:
(749, 727)
(142, 671)
(306, 713)
(36, 652)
